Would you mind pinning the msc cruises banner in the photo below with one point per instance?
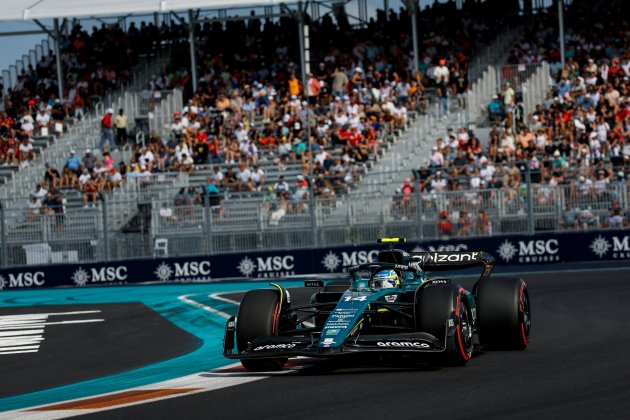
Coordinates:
(508, 250)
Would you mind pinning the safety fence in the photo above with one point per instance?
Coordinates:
(149, 219)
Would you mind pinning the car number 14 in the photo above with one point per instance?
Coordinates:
(358, 298)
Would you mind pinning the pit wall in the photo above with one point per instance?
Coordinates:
(514, 250)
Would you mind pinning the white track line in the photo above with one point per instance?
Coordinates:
(44, 314)
(218, 296)
(184, 298)
(222, 377)
(43, 324)
(205, 381)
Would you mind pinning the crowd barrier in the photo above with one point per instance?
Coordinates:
(513, 250)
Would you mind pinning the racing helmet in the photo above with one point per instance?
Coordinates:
(386, 279)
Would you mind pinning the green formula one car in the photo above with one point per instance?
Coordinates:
(389, 307)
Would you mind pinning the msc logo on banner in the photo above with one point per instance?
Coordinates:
(332, 261)
(533, 251)
(22, 280)
(111, 274)
(620, 247)
(275, 266)
(184, 272)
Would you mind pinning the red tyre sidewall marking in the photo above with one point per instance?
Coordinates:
(521, 309)
(459, 335)
(275, 319)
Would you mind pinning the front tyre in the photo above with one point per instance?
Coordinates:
(436, 304)
(504, 313)
(258, 316)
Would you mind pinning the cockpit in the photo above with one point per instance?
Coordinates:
(381, 276)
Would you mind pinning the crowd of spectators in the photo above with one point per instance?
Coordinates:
(574, 147)
(251, 107)
(93, 63)
(89, 175)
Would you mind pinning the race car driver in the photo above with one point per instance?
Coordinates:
(386, 279)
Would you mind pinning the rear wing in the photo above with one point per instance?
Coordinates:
(453, 260)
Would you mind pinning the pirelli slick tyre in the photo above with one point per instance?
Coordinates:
(503, 313)
(435, 305)
(258, 317)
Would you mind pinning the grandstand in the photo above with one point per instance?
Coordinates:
(212, 143)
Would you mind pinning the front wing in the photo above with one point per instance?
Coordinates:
(309, 345)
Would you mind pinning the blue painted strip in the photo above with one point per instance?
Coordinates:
(162, 299)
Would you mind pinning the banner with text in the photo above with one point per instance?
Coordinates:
(508, 250)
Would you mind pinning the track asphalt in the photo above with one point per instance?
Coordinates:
(576, 367)
(166, 307)
(83, 342)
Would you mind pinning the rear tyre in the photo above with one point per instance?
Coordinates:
(504, 315)
(258, 317)
(434, 307)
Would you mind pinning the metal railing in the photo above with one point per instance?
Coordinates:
(516, 75)
(33, 238)
(162, 108)
(493, 54)
(82, 136)
(536, 86)
(223, 224)
(85, 133)
(530, 80)
(480, 94)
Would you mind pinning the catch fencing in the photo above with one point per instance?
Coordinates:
(220, 224)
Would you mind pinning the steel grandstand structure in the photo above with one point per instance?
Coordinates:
(129, 221)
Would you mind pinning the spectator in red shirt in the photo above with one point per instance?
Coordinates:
(107, 134)
(89, 196)
(444, 226)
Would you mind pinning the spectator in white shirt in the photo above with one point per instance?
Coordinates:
(257, 176)
(26, 150)
(438, 183)
(177, 126)
(27, 124)
(83, 179)
(217, 176)
(42, 119)
(281, 186)
(437, 158)
(180, 150)
(244, 178)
